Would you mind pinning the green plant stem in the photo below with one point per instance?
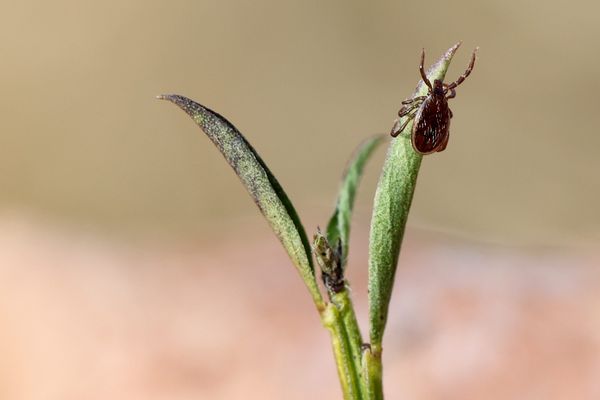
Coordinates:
(372, 370)
(333, 320)
(343, 302)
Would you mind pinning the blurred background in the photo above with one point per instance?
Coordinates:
(134, 265)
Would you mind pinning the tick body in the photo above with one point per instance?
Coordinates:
(431, 114)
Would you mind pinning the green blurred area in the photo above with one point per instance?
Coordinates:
(83, 140)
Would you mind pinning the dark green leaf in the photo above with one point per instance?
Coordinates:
(260, 183)
(339, 223)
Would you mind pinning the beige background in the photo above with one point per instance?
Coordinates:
(83, 139)
(133, 265)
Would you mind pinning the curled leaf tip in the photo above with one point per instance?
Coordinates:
(174, 98)
(197, 111)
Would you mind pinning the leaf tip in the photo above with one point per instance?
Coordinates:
(450, 52)
(189, 106)
(173, 98)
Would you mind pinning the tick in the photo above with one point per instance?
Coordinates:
(431, 113)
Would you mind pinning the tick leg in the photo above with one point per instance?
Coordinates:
(407, 109)
(452, 93)
(467, 72)
(396, 130)
(410, 101)
(450, 111)
(422, 71)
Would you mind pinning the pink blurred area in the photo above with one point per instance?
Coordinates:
(84, 316)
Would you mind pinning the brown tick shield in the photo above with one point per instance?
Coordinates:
(431, 113)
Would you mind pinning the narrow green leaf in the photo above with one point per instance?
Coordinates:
(390, 210)
(339, 223)
(260, 183)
